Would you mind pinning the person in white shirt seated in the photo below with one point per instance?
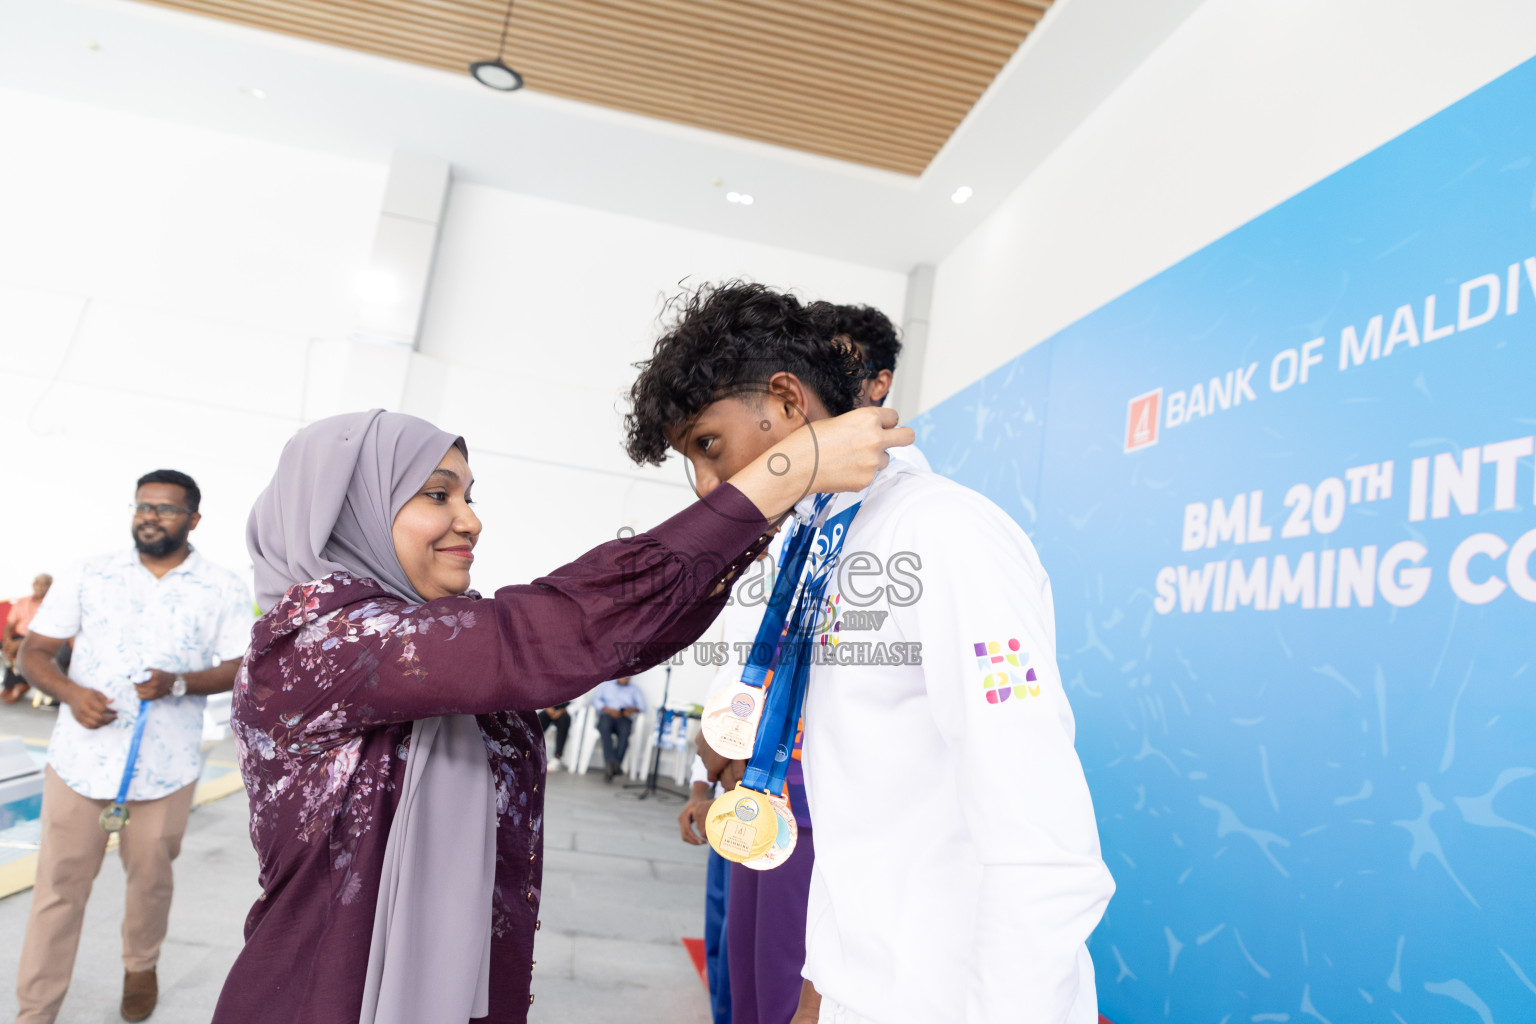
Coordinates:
(156, 628)
(617, 702)
(958, 873)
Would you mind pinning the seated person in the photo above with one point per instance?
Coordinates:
(617, 701)
(560, 718)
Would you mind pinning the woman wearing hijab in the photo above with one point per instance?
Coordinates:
(385, 714)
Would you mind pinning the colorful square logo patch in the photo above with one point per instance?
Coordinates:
(1005, 671)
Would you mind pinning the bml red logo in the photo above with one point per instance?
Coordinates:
(1141, 420)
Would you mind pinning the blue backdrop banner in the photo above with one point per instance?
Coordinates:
(1285, 492)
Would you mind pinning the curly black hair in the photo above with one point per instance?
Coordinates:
(873, 332)
(731, 338)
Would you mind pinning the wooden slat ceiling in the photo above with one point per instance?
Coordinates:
(877, 82)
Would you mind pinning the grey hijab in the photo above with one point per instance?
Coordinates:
(331, 507)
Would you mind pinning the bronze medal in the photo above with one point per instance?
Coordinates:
(114, 817)
(730, 720)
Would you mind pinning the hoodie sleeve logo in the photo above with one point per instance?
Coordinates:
(1005, 672)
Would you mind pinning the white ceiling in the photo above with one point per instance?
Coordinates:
(159, 63)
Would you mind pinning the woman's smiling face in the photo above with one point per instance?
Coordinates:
(436, 530)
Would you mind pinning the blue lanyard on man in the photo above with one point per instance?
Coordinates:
(769, 765)
(771, 630)
(732, 714)
(116, 815)
(746, 824)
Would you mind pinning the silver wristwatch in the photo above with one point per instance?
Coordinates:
(179, 687)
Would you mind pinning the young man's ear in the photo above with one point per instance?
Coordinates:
(787, 397)
(879, 386)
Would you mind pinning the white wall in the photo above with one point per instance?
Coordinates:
(1248, 103)
(175, 297)
(540, 309)
(159, 291)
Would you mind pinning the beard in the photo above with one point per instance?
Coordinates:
(169, 541)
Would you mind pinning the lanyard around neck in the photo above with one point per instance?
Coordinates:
(769, 764)
(133, 752)
(791, 564)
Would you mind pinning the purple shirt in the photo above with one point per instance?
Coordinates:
(322, 713)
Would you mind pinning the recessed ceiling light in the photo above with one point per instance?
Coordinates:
(256, 94)
(739, 197)
(961, 194)
(494, 74)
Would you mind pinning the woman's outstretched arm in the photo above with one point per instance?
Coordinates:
(619, 609)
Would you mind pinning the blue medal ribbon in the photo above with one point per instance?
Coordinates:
(781, 600)
(769, 766)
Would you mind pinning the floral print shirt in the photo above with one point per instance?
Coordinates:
(322, 714)
(125, 620)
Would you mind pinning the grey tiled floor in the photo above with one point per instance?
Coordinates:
(620, 893)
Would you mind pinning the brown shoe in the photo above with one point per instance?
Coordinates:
(15, 693)
(140, 993)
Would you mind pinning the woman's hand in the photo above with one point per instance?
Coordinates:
(848, 450)
(842, 453)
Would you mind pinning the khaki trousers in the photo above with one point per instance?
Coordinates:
(68, 861)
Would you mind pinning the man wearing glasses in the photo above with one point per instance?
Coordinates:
(156, 629)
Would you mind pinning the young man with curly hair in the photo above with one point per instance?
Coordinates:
(766, 947)
(957, 870)
(878, 345)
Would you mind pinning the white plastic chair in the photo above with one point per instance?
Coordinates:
(635, 763)
(676, 740)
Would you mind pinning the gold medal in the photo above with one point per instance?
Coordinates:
(784, 841)
(742, 825)
(114, 817)
(730, 719)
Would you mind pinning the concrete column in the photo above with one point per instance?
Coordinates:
(906, 388)
(392, 289)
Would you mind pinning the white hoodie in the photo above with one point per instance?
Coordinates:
(958, 872)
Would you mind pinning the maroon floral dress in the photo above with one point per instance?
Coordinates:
(322, 714)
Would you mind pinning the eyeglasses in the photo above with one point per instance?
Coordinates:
(160, 511)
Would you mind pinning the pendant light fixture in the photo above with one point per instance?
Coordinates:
(494, 73)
